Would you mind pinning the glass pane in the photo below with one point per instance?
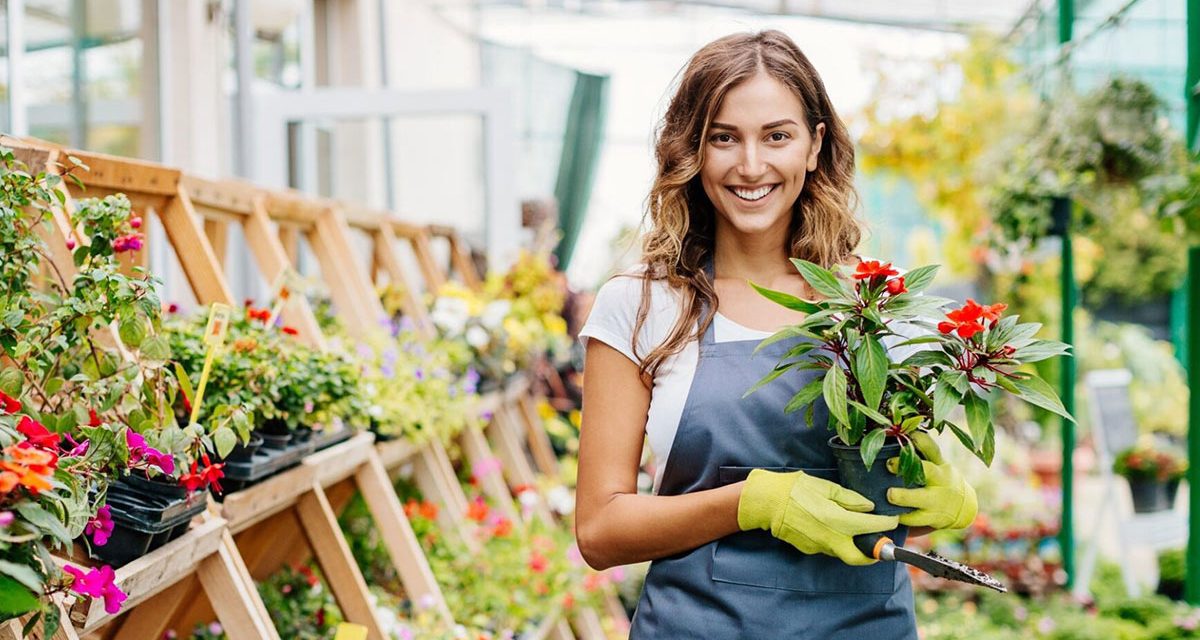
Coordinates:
(84, 65)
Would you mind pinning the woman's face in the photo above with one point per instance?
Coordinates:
(756, 156)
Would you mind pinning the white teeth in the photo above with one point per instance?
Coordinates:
(756, 194)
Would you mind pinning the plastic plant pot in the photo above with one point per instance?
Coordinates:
(274, 441)
(243, 452)
(872, 482)
(1149, 495)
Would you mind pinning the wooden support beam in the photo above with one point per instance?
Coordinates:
(479, 454)
(153, 618)
(272, 262)
(337, 565)
(195, 254)
(399, 538)
(218, 236)
(221, 575)
(535, 432)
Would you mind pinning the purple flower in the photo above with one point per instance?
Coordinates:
(364, 352)
(6, 518)
(471, 380)
(406, 324)
(98, 583)
(486, 416)
(420, 373)
(101, 526)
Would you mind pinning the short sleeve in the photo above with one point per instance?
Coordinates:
(614, 314)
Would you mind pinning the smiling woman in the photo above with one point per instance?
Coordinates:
(748, 536)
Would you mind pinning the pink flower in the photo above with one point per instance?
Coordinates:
(139, 451)
(101, 526)
(135, 222)
(70, 244)
(6, 518)
(98, 583)
(485, 467)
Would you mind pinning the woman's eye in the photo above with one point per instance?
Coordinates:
(722, 138)
(778, 136)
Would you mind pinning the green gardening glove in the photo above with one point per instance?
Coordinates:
(945, 502)
(811, 514)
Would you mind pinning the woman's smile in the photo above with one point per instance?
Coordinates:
(754, 195)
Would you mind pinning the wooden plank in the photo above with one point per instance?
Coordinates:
(148, 575)
(231, 196)
(127, 175)
(385, 250)
(194, 252)
(272, 261)
(398, 537)
(587, 626)
(332, 553)
(295, 207)
(341, 460)
(435, 478)
(253, 504)
(394, 453)
(339, 272)
(232, 599)
(218, 236)
(289, 237)
(478, 452)
(539, 441)
(242, 573)
(268, 544)
(419, 239)
(153, 617)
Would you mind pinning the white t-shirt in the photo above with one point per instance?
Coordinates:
(611, 321)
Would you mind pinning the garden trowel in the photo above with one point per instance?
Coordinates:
(881, 547)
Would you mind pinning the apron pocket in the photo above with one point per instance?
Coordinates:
(756, 558)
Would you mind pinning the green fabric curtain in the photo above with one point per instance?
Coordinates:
(582, 141)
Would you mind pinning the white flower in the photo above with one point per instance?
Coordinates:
(375, 411)
(528, 498)
(450, 315)
(560, 500)
(477, 337)
(494, 313)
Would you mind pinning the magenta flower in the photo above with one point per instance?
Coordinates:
(139, 451)
(6, 518)
(98, 583)
(101, 526)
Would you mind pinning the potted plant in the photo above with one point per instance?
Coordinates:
(1149, 469)
(876, 404)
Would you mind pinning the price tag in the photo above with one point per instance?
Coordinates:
(214, 337)
(350, 631)
(288, 283)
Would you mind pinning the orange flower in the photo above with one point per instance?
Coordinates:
(30, 467)
(477, 510)
(245, 345)
(503, 527)
(965, 320)
(992, 311)
(429, 510)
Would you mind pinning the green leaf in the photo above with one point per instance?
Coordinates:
(927, 358)
(911, 424)
(22, 573)
(15, 598)
(919, 340)
(156, 348)
(779, 370)
(782, 334)
(874, 415)
(963, 437)
(11, 382)
(1041, 350)
(821, 279)
(987, 449)
(870, 446)
(44, 520)
(945, 398)
(805, 396)
(185, 385)
(834, 389)
(956, 379)
(910, 465)
(920, 278)
(1035, 391)
(786, 299)
(132, 331)
(871, 367)
(224, 440)
(979, 416)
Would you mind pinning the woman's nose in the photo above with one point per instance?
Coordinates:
(752, 164)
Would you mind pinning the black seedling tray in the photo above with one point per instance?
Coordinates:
(135, 505)
(138, 529)
(263, 464)
(325, 439)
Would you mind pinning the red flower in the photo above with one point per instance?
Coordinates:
(262, 315)
(992, 311)
(290, 331)
(93, 419)
(173, 307)
(965, 320)
(37, 435)
(9, 404)
(874, 269)
(71, 244)
(503, 527)
(308, 576)
(538, 562)
(895, 286)
(198, 478)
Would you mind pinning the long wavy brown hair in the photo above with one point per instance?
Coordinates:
(681, 227)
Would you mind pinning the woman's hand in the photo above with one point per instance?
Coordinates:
(945, 502)
(811, 514)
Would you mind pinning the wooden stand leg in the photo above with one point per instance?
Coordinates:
(333, 555)
(539, 440)
(399, 538)
(477, 451)
(435, 478)
(586, 623)
(222, 575)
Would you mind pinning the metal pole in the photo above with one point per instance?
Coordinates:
(1193, 320)
(18, 117)
(1066, 26)
(243, 51)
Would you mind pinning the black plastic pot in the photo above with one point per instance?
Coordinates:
(146, 513)
(872, 482)
(242, 452)
(1149, 495)
(302, 434)
(275, 441)
(1172, 491)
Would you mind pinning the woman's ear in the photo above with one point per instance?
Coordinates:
(814, 151)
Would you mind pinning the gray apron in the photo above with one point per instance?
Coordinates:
(749, 584)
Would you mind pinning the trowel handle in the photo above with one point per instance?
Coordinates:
(873, 545)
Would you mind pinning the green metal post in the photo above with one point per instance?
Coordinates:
(1066, 27)
(1192, 337)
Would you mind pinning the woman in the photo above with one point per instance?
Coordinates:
(749, 537)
